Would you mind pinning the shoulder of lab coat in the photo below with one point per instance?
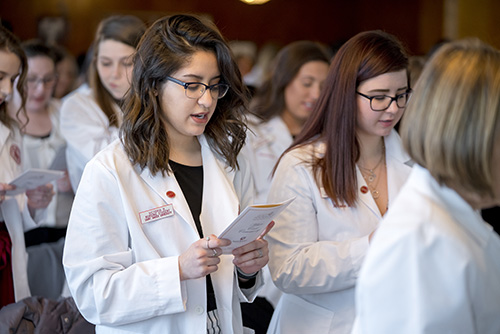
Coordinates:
(313, 240)
(86, 130)
(430, 267)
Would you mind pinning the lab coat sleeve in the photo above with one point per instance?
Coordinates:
(85, 127)
(107, 284)
(413, 281)
(300, 262)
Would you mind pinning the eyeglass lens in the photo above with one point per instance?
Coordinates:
(196, 90)
(383, 102)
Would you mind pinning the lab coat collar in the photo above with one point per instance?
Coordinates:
(461, 211)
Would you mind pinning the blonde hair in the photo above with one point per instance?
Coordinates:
(451, 123)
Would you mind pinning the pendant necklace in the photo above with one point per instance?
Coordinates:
(370, 176)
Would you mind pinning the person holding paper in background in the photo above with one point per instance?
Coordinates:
(141, 252)
(344, 169)
(15, 211)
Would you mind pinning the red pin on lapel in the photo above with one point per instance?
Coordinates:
(170, 194)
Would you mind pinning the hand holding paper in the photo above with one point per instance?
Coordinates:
(33, 178)
(251, 224)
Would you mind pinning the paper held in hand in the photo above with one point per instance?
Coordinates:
(33, 178)
(249, 225)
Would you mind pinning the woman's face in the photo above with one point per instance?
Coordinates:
(380, 123)
(114, 66)
(40, 82)
(10, 65)
(186, 117)
(303, 91)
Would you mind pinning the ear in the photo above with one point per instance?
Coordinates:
(155, 92)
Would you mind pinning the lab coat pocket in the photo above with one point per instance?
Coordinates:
(300, 316)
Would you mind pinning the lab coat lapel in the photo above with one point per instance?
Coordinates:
(220, 202)
(161, 185)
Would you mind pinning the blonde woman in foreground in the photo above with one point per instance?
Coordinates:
(433, 265)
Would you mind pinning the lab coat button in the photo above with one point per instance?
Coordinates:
(170, 194)
(364, 189)
(199, 310)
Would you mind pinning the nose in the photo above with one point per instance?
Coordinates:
(117, 71)
(6, 87)
(393, 107)
(206, 99)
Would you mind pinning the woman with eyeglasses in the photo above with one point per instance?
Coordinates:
(344, 170)
(142, 252)
(91, 116)
(433, 266)
(43, 145)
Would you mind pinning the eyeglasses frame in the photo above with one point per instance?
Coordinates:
(393, 99)
(207, 87)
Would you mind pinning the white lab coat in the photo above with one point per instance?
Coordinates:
(48, 153)
(316, 250)
(433, 266)
(264, 145)
(86, 130)
(17, 221)
(124, 275)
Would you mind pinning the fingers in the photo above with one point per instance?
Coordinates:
(268, 228)
(252, 257)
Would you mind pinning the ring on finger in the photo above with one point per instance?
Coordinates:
(208, 239)
(215, 252)
(260, 252)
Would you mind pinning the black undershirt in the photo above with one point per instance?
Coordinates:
(190, 180)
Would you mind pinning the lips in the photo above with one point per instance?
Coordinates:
(200, 118)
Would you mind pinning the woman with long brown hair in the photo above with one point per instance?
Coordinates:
(91, 116)
(344, 169)
(142, 252)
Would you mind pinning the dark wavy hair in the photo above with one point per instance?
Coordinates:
(166, 47)
(126, 29)
(9, 42)
(333, 120)
(269, 99)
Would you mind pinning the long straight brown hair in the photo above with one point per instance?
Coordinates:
(126, 29)
(333, 120)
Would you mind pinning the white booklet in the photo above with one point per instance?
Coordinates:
(250, 224)
(33, 178)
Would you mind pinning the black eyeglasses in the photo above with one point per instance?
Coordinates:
(195, 90)
(383, 102)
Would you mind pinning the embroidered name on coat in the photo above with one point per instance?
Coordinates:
(155, 214)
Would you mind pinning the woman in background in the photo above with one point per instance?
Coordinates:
(344, 170)
(433, 265)
(141, 253)
(90, 117)
(16, 212)
(282, 105)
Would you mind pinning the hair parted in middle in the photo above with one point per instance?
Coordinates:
(166, 47)
(126, 29)
(334, 118)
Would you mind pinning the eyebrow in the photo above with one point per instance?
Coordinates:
(386, 90)
(199, 78)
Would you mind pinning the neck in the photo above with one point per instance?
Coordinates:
(371, 149)
(186, 151)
